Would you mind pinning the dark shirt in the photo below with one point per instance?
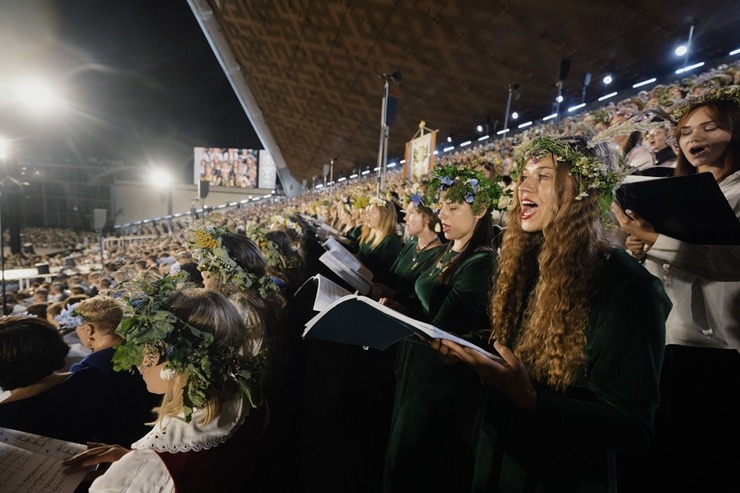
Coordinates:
(76, 410)
(131, 402)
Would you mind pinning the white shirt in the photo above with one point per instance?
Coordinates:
(142, 471)
(703, 282)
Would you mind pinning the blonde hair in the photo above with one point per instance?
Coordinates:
(386, 227)
(103, 311)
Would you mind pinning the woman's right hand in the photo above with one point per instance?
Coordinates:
(96, 453)
(636, 246)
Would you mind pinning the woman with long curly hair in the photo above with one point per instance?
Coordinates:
(579, 327)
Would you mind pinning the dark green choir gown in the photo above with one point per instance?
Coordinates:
(379, 259)
(407, 267)
(435, 405)
(568, 443)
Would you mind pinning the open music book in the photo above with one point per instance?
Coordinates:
(33, 464)
(325, 231)
(346, 266)
(320, 292)
(362, 321)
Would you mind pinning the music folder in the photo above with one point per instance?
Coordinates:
(689, 208)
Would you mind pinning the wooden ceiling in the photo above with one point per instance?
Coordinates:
(313, 65)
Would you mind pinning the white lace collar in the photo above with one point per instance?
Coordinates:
(179, 436)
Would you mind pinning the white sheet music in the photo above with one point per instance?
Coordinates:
(346, 257)
(327, 292)
(33, 464)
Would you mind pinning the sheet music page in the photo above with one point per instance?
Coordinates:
(348, 275)
(327, 293)
(346, 257)
(33, 464)
(428, 329)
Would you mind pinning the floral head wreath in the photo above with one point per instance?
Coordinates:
(207, 247)
(68, 318)
(149, 329)
(415, 195)
(380, 202)
(678, 110)
(286, 223)
(269, 249)
(469, 186)
(590, 172)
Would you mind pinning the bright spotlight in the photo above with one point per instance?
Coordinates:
(608, 79)
(514, 115)
(681, 50)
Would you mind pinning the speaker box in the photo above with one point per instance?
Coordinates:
(203, 188)
(564, 69)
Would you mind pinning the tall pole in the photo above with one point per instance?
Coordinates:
(688, 44)
(383, 148)
(557, 102)
(506, 116)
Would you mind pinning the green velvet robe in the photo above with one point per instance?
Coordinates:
(407, 267)
(380, 258)
(569, 442)
(431, 441)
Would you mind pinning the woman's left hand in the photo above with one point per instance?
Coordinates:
(505, 373)
(635, 225)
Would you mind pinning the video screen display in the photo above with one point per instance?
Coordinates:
(236, 168)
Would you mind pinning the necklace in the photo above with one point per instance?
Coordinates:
(420, 249)
(443, 263)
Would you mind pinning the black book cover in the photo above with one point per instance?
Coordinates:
(689, 208)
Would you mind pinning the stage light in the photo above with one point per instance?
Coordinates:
(608, 79)
(466, 143)
(448, 149)
(681, 50)
(644, 83)
(483, 138)
(576, 107)
(391, 165)
(479, 128)
(549, 117)
(514, 115)
(402, 161)
(449, 138)
(502, 132)
(353, 175)
(689, 68)
(559, 99)
(607, 96)
(525, 124)
(734, 52)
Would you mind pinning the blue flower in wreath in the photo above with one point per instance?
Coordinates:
(469, 197)
(416, 198)
(446, 181)
(474, 185)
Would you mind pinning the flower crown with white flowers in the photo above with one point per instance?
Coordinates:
(727, 93)
(207, 247)
(591, 172)
(380, 202)
(466, 185)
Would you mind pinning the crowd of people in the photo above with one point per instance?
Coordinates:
(179, 357)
